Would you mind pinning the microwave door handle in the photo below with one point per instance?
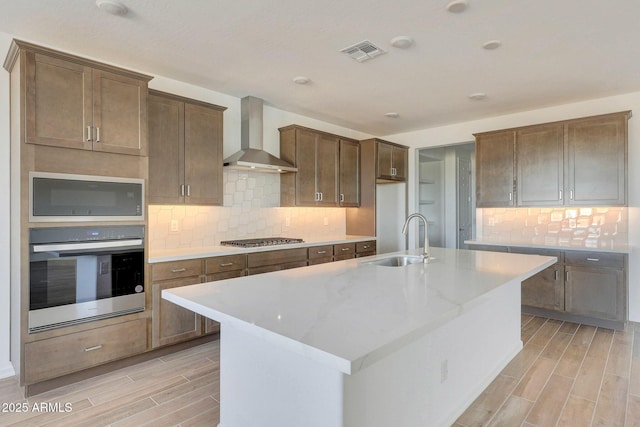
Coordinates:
(87, 245)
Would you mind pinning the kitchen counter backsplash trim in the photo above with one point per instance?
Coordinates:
(590, 228)
(179, 254)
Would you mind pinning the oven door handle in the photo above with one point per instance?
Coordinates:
(87, 245)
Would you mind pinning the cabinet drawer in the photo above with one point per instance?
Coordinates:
(362, 247)
(62, 355)
(259, 259)
(594, 259)
(176, 269)
(225, 263)
(276, 267)
(224, 275)
(321, 252)
(344, 249)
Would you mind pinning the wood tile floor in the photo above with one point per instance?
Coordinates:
(566, 375)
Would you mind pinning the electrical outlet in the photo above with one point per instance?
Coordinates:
(287, 222)
(326, 221)
(444, 370)
(175, 225)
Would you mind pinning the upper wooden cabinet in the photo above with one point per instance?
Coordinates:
(392, 161)
(71, 102)
(580, 162)
(349, 173)
(495, 169)
(328, 168)
(596, 166)
(185, 153)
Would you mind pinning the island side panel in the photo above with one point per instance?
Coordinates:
(264, 384)
(431, 381)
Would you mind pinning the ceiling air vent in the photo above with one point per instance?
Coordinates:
(363, 51)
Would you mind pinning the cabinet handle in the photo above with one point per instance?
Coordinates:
(95, 347)
(97, 134)
(226, 264)
(593, 259)
(317, 196)
(321, 252)
(345, 249)
(320, 193)
(182, 190)
(557, 275)
(560, 194)
(366, 247)
(571, 194)
(341, 197)
(566, 276)
(393, 171)
(178, 270)
(88, 133)
(510, 196)
(188, 190)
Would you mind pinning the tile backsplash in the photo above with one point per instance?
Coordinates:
(251, 209)
(590, 227)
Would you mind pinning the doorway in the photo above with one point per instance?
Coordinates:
(446, 196)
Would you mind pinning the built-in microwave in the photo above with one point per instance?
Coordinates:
(55, 197)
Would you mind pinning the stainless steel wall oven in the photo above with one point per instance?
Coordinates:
(79, 274)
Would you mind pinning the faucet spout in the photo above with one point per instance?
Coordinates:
(426, 232)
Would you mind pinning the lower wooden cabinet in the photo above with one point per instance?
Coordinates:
(545, 289)
(344, 251)
(172, 323)
(65, 354)
(282, 259)
(367, 248)
(595, 285)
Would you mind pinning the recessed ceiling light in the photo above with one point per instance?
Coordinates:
(112, 7)
(401, 42)
(392, 114)
(492, 44)
(301, 80)
(457, 6)
(478, 96)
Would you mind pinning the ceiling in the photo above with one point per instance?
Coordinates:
(553, 52)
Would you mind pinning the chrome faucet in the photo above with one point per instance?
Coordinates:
(426, 232)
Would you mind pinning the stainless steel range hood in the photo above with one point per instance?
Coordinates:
(251, 155)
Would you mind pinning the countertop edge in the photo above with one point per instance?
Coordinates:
(620, 250)
(181, 254)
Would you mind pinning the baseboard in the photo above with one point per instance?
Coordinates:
(6, 370)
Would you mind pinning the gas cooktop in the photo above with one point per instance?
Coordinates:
(265, 241)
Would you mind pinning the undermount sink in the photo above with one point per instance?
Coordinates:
(398, 261)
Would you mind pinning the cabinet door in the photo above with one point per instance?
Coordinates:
(166, 150)
(306, 163)
(203, 155)
(349, 173)
(399, 163)
(119, 114)
(210, 325)
(385, 161)
(595, 292)
(327, 169)
(495, 169)
(596, 160)
(540, 165)
(545, 289)
(172, 323)
(58, 103)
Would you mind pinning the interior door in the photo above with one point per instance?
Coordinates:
(465, 202)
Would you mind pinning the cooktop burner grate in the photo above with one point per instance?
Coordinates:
(266, 241)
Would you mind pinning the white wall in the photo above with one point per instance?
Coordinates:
(5, 365)
(463, 132)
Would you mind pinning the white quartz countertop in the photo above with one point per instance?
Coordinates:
(621, 249)
(348, 314)
(163, 255)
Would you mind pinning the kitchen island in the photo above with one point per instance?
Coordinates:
(353, 343)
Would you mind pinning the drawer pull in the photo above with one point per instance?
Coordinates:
(321, 252)
(178, 270)
(95, 347)
(345, 249)
(366, 247)
(593, 259)
(226, 264)
(556, 271)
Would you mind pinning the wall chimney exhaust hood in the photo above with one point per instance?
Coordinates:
(251, 155)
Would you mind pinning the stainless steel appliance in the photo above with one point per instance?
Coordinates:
(55, 197)
(264, 241)
(79, 274)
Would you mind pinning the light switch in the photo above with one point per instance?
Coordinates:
(175, 225)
